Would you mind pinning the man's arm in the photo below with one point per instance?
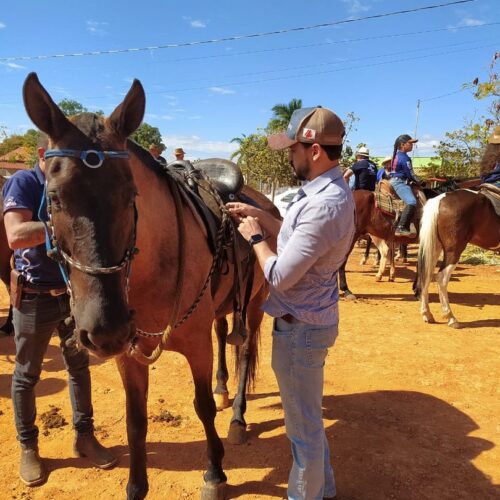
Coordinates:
(21, 231)
(348, 174)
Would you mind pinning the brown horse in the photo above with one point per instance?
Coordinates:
(103, 201)
(370, 220)
(5, 254)
(449, 222)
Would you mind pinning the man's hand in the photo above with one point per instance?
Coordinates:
(239, 211)
(249, 226)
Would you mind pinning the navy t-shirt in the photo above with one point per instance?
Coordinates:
(24, 190)
(365, 173)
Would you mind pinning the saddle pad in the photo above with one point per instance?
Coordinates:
(493, 194)
(387, 204)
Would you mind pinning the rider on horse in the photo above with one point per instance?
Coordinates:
(490, 163)
(400, 177)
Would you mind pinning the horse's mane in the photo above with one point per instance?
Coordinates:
(146, 158)
(490, 157)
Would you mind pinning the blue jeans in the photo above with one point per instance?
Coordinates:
(299, 352)
(404, 191)
(34, 322)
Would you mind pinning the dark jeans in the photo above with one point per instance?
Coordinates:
(39, 315)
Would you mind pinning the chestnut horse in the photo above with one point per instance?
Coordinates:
(370, 220)
(104, 199)
(448, 223)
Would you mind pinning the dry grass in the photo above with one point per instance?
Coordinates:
(474, 255)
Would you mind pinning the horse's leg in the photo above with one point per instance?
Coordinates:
(404, 253)
(135, 380)
(392, 264)
(8, 328)
(366, 255)
(200, 358)
(221, 395)
(384, 252)
(247, 364)
(443, 278)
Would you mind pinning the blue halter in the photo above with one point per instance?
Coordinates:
(87, 156)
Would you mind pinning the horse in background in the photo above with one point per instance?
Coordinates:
(449, 223)
(106, 198)
(5, 255)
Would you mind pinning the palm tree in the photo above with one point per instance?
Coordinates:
(282, 114)
(240, 141)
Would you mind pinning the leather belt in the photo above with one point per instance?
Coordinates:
(55, 292)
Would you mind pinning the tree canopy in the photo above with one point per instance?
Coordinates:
(146, 135)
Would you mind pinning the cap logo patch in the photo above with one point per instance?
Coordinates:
(309, 133)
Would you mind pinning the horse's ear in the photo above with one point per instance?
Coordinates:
(42, 110)
(129, 114)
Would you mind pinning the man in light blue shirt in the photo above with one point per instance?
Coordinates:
(312, 242)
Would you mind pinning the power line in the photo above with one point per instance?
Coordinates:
(235, 37)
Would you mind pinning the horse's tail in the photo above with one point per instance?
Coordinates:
(428, 250)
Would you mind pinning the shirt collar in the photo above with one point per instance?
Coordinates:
(320, 182)
(39, 174)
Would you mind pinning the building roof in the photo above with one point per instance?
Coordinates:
(18, 159)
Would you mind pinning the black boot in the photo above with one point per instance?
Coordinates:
(403, 228)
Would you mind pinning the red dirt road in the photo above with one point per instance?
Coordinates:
(411, 410)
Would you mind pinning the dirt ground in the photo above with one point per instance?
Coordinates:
(411, 410)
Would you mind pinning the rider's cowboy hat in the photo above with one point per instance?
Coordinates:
(362, 151)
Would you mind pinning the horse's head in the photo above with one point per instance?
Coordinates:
(90, 198)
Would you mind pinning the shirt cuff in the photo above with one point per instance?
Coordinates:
(268, 268)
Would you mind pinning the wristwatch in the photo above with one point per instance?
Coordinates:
(255, 238)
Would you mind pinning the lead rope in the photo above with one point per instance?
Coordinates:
(134, 351)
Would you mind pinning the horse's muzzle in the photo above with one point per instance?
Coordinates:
(106, 342)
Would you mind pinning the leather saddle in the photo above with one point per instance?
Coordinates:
(493, 194)
(204, 185)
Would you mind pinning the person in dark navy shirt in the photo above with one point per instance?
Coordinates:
(364, 170)
(400, 177)
(42, 307)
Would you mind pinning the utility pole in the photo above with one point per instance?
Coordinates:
(416, 125)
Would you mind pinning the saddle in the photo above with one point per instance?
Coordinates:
(389, 203)
(205, 186)
(493, 194)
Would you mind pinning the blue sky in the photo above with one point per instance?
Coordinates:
(201, 96)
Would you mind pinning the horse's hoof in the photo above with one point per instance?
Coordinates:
(378, 278)
(237, 433)
(454, 324)
(221, 401)
(428, 318)
(211, 491)
(350, 296)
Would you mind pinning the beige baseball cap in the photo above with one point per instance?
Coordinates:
(310, 125)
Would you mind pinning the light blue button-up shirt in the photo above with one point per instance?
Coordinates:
(313, 242)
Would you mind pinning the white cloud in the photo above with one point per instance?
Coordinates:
(197, 23)
(197, 147)
(425, 145)
(469, 21)
(357, 6)
(12, 65)
(221, 90)
(96, 28)
(159, 117)
(2, 26)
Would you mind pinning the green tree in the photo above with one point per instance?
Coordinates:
(146, 135)
(347, 158)
(282, 115)
(70, 107)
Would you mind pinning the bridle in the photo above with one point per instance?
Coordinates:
(92, 159)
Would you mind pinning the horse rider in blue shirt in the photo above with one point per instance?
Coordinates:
(41, 305)
(400, 177)
(491, 158)
(313, 240)
(364, 170)
(385, 170)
